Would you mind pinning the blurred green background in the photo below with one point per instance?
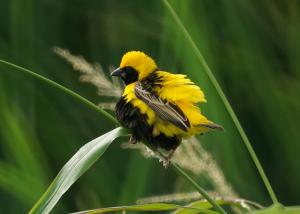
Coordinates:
(253, 48)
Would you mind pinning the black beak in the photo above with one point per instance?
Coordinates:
(117, 72)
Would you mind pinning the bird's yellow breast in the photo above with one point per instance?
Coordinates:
(139, 104)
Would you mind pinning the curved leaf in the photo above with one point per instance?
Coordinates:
(144, 208)
(74, 168)
(278, 209)
(201, 204)
(205, 205)
(140, 208)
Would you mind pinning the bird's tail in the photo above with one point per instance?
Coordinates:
(211, 126)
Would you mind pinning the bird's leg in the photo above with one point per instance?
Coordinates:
(167, 158)
(133, 139)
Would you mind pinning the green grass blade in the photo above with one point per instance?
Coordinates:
(225, 101)
(199, 189)
(203, 205)
(278, 209)
(74, 168)
(241, 204)
(138, 208)
(62, 88)
(152, 207)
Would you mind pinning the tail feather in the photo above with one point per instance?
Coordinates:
(211, 126)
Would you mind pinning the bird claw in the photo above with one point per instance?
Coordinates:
(132, 140)
(166, 163)
(167, 160)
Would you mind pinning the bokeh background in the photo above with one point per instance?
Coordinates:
(252, 47)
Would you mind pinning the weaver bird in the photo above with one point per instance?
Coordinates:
(159, 107)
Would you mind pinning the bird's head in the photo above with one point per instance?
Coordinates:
(134, 66)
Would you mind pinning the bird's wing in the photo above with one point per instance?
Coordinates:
(166, 111)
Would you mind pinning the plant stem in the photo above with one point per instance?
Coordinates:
(180, 171)
(199, 188)
(225, 101)
(63, 88)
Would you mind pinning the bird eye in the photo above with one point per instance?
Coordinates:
(131, 74)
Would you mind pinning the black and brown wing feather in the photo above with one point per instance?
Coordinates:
(165, 110)
(131, 118)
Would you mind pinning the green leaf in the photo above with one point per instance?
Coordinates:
(74, 168)
(202, 204)
(242, 204)
(143, 208)
(278, 209)
(199, 188)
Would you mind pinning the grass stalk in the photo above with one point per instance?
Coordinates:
(198, 188)
(224, 100)
(62, 88)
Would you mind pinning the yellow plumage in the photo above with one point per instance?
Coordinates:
(167, 102)
(140, 61)
(177, 88)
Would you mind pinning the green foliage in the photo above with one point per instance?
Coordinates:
(278, 209)
(252, 46)
(149, 207)
(225, 101)
(195, 207)
(87, 155)
(74, 168)
(140, 208)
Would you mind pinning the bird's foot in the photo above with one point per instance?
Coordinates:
(167, 159)
(133, 139)
(166, 163)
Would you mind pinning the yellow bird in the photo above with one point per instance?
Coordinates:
(159, 107)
